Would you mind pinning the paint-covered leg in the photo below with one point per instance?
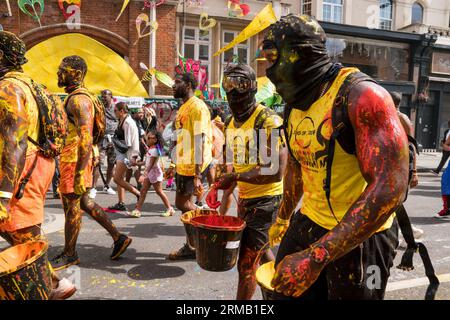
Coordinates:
(247, 266)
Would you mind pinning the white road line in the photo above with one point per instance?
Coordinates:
(412, 283)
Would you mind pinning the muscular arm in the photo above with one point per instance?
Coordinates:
(13, 141)
(79, 108)
(382, 152)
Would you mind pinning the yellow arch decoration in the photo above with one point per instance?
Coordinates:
(106, 69)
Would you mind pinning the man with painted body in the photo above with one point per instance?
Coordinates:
(77, 164)
(330, 249)
(21, 219)
(259, 181)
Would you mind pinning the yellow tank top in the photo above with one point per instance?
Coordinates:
(309, 134)
(70, 150)
(241, 140)
(31, 107)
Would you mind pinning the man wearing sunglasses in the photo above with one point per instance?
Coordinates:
(259, 160)
(344, 236)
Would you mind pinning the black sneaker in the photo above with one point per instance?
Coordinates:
(184, 253)
(63, 261)
(120, 246)
(120, 206)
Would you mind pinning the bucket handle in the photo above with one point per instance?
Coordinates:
(260, 252)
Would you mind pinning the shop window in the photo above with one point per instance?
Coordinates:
(381, 60)
(333, 11)
(385, 14)
(417, 13)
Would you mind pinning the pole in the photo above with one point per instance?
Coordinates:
(152, 51)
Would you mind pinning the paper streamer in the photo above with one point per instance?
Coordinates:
(124, 6)
(36, 15)
(150, 26)
(159, 75)
(261, 21)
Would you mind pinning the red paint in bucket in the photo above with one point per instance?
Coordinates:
(217, 241)
(187, 217)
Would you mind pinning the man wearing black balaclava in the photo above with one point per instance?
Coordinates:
(341, 243)
(259, 180)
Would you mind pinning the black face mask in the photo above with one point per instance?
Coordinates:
(241, 104)
(302, 59)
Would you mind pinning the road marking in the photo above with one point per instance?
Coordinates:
(412, 283)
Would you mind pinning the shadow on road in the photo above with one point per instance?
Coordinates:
(427, 220)
(148, 265)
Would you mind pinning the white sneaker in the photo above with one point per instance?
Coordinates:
(93, 193)
(417, 233)
(109, 190)
(64, 291)
(135, 213)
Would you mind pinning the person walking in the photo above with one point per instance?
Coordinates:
(445, 153)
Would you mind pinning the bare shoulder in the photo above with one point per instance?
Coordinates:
(369, 104)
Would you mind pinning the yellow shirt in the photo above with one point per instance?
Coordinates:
(193, 118)
(241, 140)
(31, 107)
(309, 133)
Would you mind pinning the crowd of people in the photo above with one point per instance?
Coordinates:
(351, 175)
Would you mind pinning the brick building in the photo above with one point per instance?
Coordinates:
(98, 22)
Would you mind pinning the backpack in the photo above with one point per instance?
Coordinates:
(52, 125)
(52, 117)
(259, 124)
(99, 128)
(343, 133)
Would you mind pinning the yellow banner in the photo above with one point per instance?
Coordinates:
(261, 21)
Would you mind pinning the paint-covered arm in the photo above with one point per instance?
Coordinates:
(382, 153)
(80, 109)
(13, 143)
(292, 193)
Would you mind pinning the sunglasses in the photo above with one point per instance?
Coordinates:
(240, 84)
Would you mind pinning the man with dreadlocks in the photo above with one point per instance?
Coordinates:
(20, 219)
(77, 164)
(346, 224)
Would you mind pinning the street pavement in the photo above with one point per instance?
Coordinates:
(144, 273)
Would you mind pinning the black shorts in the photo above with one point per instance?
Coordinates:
(362, 274)
(259, 214)
(185, 184)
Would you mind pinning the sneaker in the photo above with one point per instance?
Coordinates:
(109, 190)
(64, 291)
(184, 253)
(168, 213)
(168, 187)
(56, 196)
(417, 233)
(443, 214)
(93, 193)
(135, 213)
(63, 261)
(120, 206)
(120, 246)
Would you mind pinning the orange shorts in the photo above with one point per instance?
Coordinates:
(67, 176)
(29, 210)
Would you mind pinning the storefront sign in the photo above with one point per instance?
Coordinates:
(441, 63)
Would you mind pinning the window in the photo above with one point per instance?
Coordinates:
(417, 13)
(241, 51)
(306, 7)
(385, 14)
(196, 45)
(332, 10)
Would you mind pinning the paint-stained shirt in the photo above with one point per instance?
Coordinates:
(192, 119)
(309, 134)
(242, 141)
